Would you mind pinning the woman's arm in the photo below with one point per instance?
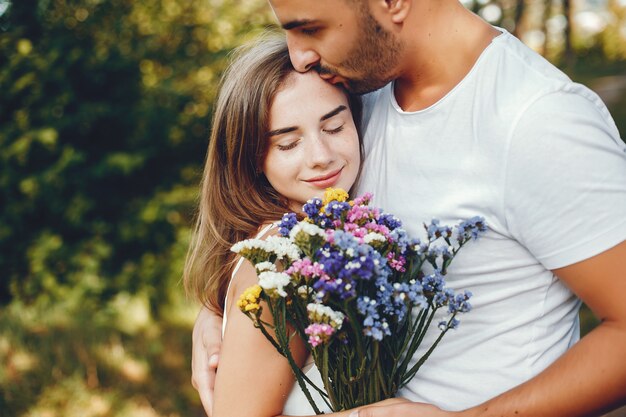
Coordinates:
(253, 379)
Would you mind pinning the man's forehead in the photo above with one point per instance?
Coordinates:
(289, 11)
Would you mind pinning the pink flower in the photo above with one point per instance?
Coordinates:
(363, 200)
(319, 333)
(305, 268)
(330, 236)
(396, 263)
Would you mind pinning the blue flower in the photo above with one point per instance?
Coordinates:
(288, 221)
(389, 220)
(343, 288)
(347, 242)
(401, 239)
(435, 231)
(443, 297)
(331, 259)
(336, 209)
(460, 303)
(312, 208)
(434, 282)
(472, 228)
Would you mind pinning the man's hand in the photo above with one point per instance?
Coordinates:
(207, 341)
(398, 407)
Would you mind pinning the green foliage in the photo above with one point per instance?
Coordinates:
(103, 122)
(104, 118)
(115, 362)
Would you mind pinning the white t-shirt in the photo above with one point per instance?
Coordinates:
(541, 159)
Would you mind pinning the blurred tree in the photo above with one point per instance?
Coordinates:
(103, 120)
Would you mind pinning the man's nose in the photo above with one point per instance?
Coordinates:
(302, 57)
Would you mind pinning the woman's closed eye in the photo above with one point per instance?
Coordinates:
(287, 146)
(334, 130)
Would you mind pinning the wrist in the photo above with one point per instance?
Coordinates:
(478, 411)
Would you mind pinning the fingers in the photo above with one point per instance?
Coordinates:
(206, 397)
(214, 361)
(206, 343)
(203, 378)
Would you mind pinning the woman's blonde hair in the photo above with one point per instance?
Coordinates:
(235, 197)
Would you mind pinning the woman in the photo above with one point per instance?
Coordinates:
(278, 139)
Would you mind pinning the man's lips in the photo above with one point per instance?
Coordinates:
(332, 78)
(326, 180)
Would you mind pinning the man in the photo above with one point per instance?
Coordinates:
(475, 123)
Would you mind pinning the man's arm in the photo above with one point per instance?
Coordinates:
(588, 380)
(206, 344)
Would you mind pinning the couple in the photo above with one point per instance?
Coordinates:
(460, 119)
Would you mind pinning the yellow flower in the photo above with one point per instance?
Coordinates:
(249, 300)
(337, 194)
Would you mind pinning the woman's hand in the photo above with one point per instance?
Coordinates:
(206, 344)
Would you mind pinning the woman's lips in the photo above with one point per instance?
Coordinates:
(325, 181)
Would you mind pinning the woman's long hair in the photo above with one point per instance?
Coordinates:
(235, 197)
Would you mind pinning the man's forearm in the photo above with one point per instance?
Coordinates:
(587, 380)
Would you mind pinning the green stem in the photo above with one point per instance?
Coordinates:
(426, 355)
(325, 379)
(418, 324)
(279, 323)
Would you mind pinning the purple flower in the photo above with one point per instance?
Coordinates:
(336, 209)
(390, 221)
(288, 221)
(312, 208)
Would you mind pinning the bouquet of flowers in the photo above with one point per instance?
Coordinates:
(349, 280)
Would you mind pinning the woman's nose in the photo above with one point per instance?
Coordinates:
(320, 153)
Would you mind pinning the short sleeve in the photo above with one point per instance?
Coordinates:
(565, 179)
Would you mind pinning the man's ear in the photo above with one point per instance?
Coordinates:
(396, 10)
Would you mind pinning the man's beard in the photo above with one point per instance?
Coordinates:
(374, 58)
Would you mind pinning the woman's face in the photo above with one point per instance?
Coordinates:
(313, 142)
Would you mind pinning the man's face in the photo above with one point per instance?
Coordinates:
(340, 40)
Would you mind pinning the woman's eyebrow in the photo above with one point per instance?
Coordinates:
(334, 112)
(281, 131)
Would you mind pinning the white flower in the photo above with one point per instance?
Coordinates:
(248, 244)
(374, 237)
(283, 248)
(274, 283)
(320, 313)
(277, 245)
(265, 266)
(304, 291)
(308, 228)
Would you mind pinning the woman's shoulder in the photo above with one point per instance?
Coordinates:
(244, 275)
(267, 229)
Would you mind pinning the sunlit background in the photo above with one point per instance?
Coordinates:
(104, 117)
